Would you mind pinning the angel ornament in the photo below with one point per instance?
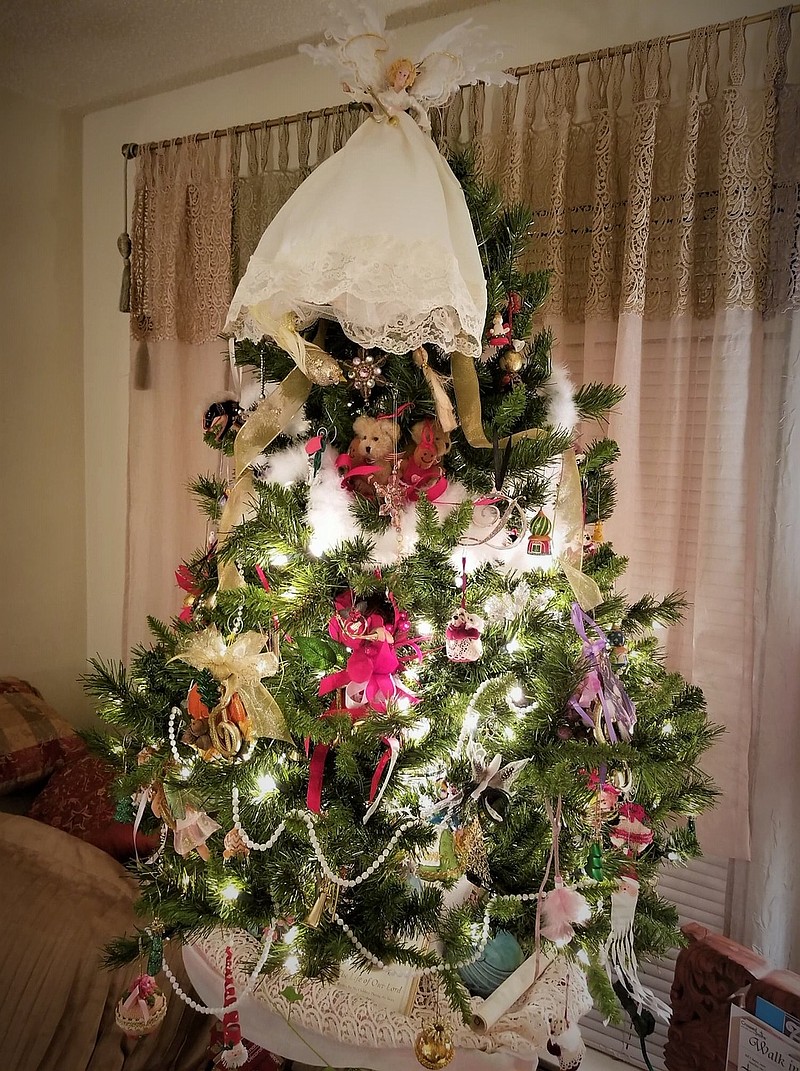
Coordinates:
(378, 237)
(359, 47)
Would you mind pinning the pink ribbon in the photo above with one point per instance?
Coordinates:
(142, 987)
(369, 676)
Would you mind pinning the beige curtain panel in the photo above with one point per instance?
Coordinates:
(664, 179)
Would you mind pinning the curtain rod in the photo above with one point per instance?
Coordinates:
(131, 149)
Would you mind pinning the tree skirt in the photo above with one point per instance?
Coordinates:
(341, 1029)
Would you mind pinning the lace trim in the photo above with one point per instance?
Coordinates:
(335, 1013)
(369, 290)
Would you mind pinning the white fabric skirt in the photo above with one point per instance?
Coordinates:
(379, 238)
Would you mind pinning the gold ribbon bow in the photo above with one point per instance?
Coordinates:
(239, 667)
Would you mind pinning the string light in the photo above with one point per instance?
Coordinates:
(266, 783)
(424, 628)
(280, 560)
(291, 964)
(230, 892)
(513, 646)
(290, 936)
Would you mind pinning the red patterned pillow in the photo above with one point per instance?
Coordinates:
(34, 740)
(77, 799)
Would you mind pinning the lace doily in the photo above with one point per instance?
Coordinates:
(560, 994)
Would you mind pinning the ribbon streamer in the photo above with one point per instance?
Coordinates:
(568, 533)
(386, 763)
(271, 416)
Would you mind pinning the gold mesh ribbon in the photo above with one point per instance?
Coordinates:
(568, 529)
(272, 416)
(239, 667)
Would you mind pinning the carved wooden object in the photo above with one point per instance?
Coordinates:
(708, 973)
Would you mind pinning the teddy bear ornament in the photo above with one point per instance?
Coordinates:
(462, 636)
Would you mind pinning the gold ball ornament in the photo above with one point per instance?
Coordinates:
(434, 1045)
(511, 361)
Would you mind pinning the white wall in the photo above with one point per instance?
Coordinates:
(42, 552)
(533, 30)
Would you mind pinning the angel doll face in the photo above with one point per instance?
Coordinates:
(401, 75)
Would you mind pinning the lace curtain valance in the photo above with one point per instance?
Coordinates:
(664, 177)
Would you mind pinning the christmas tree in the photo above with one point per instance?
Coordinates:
(407, 704)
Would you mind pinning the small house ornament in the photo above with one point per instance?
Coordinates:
(539, 542)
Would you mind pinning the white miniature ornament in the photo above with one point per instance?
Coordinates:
(463, 641)
(618, 952)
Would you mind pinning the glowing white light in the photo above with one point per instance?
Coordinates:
(419, 731)
(513, 646)
(667, 729)
(508, 732)
(290, 936)
(424, 628)
(266, 784)
(291, 964)
(186, 772)
(230, 891)
(470, 721)
(516, 694)
(290, 593)
(280, 560)
(403, 703)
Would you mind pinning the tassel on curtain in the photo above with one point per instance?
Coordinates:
(124, 241)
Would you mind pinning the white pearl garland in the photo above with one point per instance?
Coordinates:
(173, 743)
(305, 817)
(243, 992)
(349, 883)
(437, 968)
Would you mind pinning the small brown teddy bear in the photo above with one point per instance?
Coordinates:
(421, 469)
(369, 457)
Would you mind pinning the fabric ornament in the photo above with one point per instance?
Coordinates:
(234, 1053)
(192, 831)
(463, 641)
(563, 908)
(631, 834)
(239, 666)
(567, 1044)
(618, 952)
(144, 1008)
(370, 677)
(601, 701)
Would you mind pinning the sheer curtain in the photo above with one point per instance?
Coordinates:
(664, 180)
(200, 207)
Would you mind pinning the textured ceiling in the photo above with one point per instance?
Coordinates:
(87, 54)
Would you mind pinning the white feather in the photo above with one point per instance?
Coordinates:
(562, 412)
(328, 514)
(285, 466)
